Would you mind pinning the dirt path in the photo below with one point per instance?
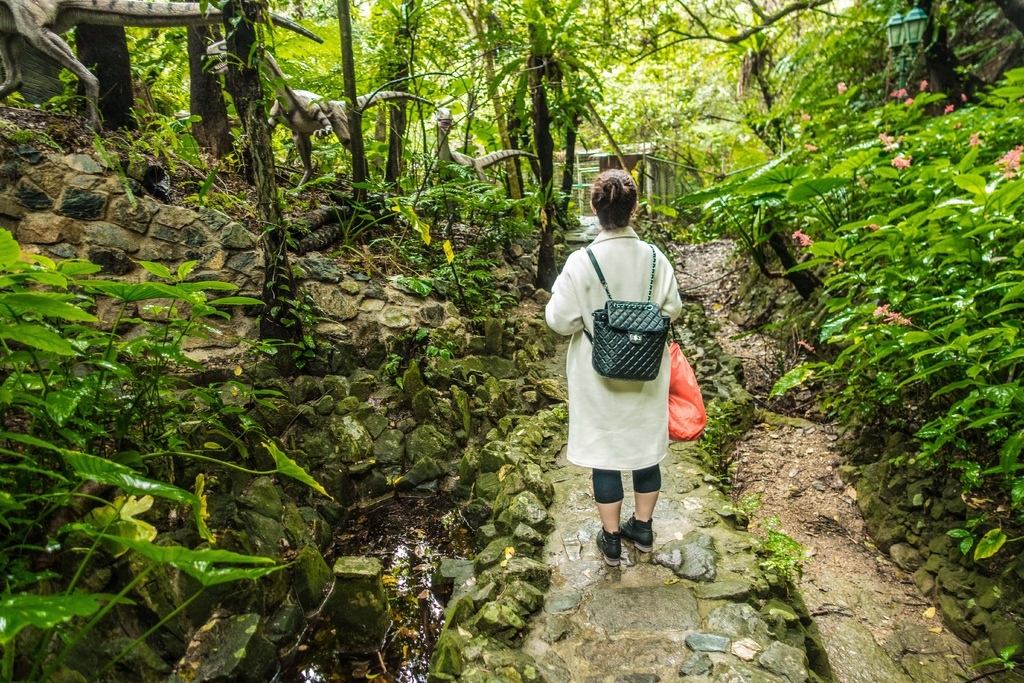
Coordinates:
(870, 614)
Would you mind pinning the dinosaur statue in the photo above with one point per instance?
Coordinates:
(307, 114)
(33, 52)
(478, 164)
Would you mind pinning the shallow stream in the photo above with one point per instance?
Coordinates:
(410, 536)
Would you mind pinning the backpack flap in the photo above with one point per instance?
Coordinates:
(635, 316)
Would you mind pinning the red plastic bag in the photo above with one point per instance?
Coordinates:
(686, 414)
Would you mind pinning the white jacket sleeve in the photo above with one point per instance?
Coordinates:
(671, 304)
(563, 312)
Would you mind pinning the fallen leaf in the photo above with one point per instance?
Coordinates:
(937, 629)
(669, 582)
(929, 613)
(464, 633)
(238, 370)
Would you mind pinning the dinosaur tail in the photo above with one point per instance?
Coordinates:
(365, 101)
(156, 14)
(501, 155)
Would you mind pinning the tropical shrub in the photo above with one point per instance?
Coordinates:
(911, 214)
(89, 413)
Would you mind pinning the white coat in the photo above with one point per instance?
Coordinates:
(613, 424)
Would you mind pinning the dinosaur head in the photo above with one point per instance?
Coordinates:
(444, 119)
(218, 50)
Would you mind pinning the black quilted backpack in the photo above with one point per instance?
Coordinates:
(629, 336)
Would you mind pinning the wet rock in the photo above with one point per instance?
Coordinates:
(423, 405)
(647, 609)
(1004, 634)
(638, 678)
(954, 619)
(738, 621)
(112, 261)
(228, 649)
(352, 442)
(519, 568)
(528, 535)
(425, 469)
(311, 577)
(732, 589)
(556, 628)
(262, 497)
(81, 204)
(358, 606)
(786, 661)
(285, 624)
(446, 659)
(905, 557)
(493, 331)
(697, 665)
(453, 572)
(692, 558)
(31, 197)
(563, 600)
(412, 380)
(389, 449)
(525, 508)
(427, 442)
(708, 642)
(375, 424)
(528, 597)
(498, 620)
(738, 672)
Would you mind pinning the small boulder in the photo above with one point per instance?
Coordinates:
(786, 661)
(425, 469)
(228, 649)
(358, 606)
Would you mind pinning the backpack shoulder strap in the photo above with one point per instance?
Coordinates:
(600, 275)
(654, 266)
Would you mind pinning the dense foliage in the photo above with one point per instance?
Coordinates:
(911, 212)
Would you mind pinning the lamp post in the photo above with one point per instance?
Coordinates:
(905, 33)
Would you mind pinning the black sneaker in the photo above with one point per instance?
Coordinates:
(640, 533)
(610, 546)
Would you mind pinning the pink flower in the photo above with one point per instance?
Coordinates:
(949, 109)
(902, 162)
(898, 94)
(841, 87)
(802, 239)
(881, 310)
(805, 345)
(910, 101)
(1011, 161)
(975, 140)
(889, 142)
(924, 85)
(894, 318)
(963, 97)
(958, 125)
(810, 148)
(874, 227)
(804, 116)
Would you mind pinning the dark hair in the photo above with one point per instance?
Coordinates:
(613, 195)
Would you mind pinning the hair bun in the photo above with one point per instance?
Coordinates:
(613, 196)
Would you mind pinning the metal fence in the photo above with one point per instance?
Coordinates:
(660, 180)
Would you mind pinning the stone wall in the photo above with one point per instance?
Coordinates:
(73, 206)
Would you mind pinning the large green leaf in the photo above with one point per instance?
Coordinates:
(37, 337)
(290, 468)
(42, 611)
(779, 179)
(793, 378)
(108, 472)
(118, 519)
(989, 544)
(814, 188)
(48, 305)
(9, 249)
(129, 292)
(200, 564)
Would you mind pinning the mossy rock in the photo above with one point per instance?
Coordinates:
(389, 449)
(469, 466)
(358, 606)
(352, 442)
(487, 486)
(498, 620)
(519, 569)
(423, 404)
(524, 508)
(412, 381)
(311, 577)
(228, 649)
(425, 470)
(494, 553)
(526, 596)
(263, 497)
(427, 442)
(446, 659)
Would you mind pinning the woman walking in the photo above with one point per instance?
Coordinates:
(615, 425)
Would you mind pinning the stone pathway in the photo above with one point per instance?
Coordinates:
(698, 607)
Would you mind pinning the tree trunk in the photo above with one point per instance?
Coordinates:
(243, 81)
(804, 281)
(471, 14)
(547, 271)
(569, 167)
(206, 100)
(399, 70)
(1013, 10)
(104, 49)
(940, 61)
(355, 117)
